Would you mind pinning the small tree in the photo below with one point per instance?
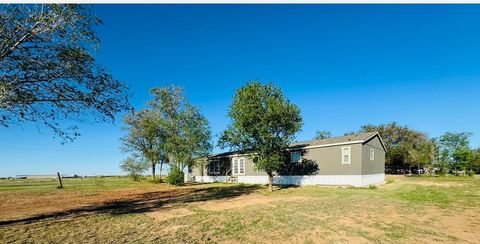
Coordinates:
(454, 151)
(187, 130)
(146, 137)
(322, 135)
(263, 125)
(134, 168)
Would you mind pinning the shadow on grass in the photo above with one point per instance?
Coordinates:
(147, 202)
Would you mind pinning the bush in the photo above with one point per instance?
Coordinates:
(372, 187)
(175, 177)
(134, 168)
(99, 181)
(156, 181)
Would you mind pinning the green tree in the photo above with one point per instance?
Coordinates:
(134, 167)
(323, 134)
(455, 153)
(146, 137)
(476, 161)
(48, 70)
(406, 148)
(263, 124)
(188, 133)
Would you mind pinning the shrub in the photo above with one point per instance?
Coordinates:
(99, 181)
(134, 168)
(156, 181)
(372, 187)
(389, 181)
(175, 177)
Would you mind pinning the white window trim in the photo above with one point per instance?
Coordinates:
(237, 160)
(372, 154)
(349, 155)
(234, 163)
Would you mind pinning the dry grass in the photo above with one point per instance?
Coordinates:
(408, 209)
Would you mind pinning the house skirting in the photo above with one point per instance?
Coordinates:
(341, 180)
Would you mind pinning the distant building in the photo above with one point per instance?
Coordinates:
(37, 176)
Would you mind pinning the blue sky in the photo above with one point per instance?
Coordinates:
(343, 65)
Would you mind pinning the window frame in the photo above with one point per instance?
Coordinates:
(240, 168)
(236, 165)
(299, 158)
(372, 154)
(214, 167)
(349, 155)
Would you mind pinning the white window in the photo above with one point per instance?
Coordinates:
(345, 155)
(372, 154)
(239, 166)
(295, 156)
(235, 166)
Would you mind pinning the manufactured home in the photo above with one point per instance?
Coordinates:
(353, 160)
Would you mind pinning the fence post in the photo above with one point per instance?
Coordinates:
(60, 179)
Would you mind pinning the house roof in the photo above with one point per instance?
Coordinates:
(224, 154)
(333, 141)
(340, 140)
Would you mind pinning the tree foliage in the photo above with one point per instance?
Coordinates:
(175, 177)
(323, 134)
(48, 72)
(263, 124)
(134, 167)
(406, 147)
(455, 154)
(188, 133)
(146, 137)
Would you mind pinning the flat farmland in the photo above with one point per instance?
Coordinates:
(88, 210)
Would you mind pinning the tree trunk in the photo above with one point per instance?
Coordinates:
(270, 182)
(160, 177)
(153, 171)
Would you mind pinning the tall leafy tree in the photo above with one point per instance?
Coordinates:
(48, 71)
(322, 134)
(454, 152)
(263, 124)
(406, 147)
(188, 133)
(146, 137)
(476, 161)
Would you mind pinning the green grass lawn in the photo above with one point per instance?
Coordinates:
(407, 209)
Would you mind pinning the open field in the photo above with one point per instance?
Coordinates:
(407, 209)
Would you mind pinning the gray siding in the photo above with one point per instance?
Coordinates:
(329, 160)
(377, 165)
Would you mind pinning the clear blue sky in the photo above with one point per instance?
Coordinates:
(343, 65)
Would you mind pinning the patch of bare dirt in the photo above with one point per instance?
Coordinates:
(15, 206)
(460, 224)
(244, 201)
(170, 213)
